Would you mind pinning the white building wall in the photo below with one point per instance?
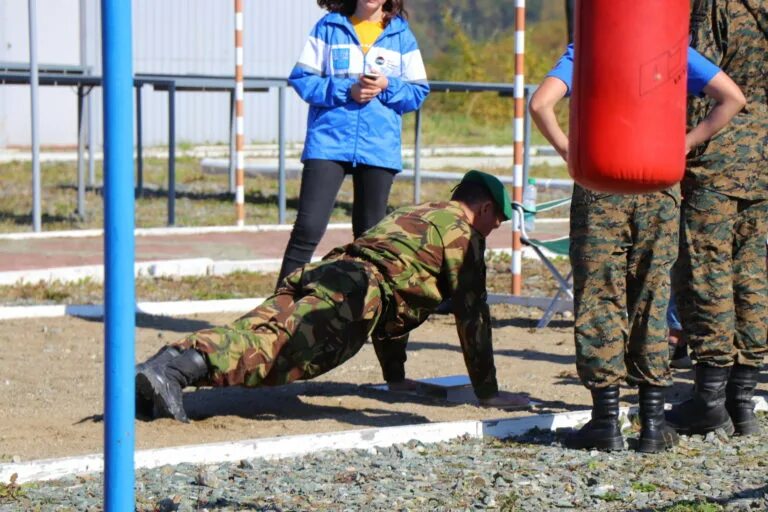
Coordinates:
(170, 37)
(57, 28)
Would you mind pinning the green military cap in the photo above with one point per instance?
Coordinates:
(495, 187)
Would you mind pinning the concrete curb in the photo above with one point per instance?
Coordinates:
(296, 446)
(194, 230)
(167, 268)
(162, 268)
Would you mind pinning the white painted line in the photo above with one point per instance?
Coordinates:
(225, 267)
(195, 307)
(292, 446)
(164, 268)
(296, 446)
(179, 308)
(198, 230)
(63, 274)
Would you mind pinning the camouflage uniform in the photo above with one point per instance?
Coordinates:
(382, 285)
(622, 249)
(720, 277)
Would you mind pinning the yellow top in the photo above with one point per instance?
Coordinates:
(367, 31)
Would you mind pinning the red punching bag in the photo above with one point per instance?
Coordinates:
(627, 121)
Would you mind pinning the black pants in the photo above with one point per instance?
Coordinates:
(320, 183)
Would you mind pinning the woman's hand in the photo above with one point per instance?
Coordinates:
(362, 93)
(368, 88)
(380, 81)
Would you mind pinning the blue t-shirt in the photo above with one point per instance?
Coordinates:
(700, 70)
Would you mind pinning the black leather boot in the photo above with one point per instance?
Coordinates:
(144, 405)
(738, 399)
(705, 412)
(162, 383)
(655, 435)
(162, 356)
(602, 432)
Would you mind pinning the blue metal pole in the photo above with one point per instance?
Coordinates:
(120, 300)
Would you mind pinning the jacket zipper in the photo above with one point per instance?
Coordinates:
(365, 57)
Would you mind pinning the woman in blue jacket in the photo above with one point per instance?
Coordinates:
(360, 70)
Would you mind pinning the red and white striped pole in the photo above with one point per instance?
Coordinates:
(239, 117)
(519, 133)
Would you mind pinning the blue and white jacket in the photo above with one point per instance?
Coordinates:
(338, 128)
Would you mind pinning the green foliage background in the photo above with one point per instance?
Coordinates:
(473, 41)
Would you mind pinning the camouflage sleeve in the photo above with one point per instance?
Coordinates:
(473, 319)
(392, 356)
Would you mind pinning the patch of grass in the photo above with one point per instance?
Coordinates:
(439, 128)
(201, 199)
(508, 502)
(12, 491)
(643, 487)
(233, 286)
(611, 496)
(549, 171)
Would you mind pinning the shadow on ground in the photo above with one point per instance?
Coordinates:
(294, 402)
(528, 355)
(164, 323)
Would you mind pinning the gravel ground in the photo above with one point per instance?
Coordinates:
(531, 473)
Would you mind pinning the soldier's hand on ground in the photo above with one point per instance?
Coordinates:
(506, 400)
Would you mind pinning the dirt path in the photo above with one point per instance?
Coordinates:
(51, 386)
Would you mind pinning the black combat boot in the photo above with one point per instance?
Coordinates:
(602, 431)
(705, 412)
(162, 383)
(655, 434)
(144, 405)
(738, 399)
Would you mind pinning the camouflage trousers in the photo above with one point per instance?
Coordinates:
(622, 248)
(319, 318)
(720, 277)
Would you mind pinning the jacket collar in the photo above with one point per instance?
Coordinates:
(396, 24)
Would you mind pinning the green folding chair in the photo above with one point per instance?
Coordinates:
(556, 246)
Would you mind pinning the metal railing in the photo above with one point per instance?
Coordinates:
(79, 77)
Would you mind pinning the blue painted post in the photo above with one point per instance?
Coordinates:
(120, 300)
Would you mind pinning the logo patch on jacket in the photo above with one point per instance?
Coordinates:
(340, 58)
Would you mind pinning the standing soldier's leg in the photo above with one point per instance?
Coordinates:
(318, 320)
(750, 292)
(599, 242)
(703, 281)
(654, 250)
